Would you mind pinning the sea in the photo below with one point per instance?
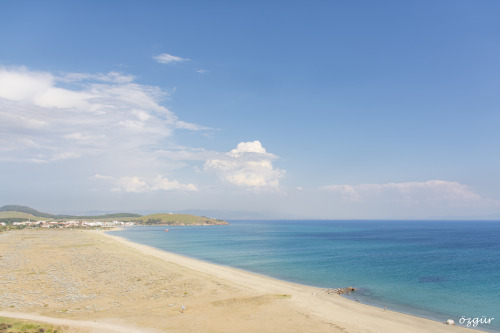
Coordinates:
(434, 269)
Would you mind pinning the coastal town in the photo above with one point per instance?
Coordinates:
(71, 224)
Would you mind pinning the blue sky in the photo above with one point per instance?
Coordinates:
(323, 109)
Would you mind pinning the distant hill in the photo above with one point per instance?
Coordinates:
(17, 212)
(19, 215)
(25, 209)
(102, 217)
(177, 219)
(10, 217)
(12, 209)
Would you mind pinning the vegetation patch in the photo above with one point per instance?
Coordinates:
(10, 325)
(11, 227)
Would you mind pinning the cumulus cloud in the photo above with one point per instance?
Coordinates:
(248, 147)
(166, 58)
(432, 192)
(248, 165)
(46, 117)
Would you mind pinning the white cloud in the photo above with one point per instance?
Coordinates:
(202, 71)
(166, 58)
(93, 122)
(113, 77)
(248, 147)
(47, 118)
(182, 153)
(160, 183)
(14, 86)
(137, 185)
(432, 192)
(131, 184)
(64, 156)
(248, 165)
(99, 176)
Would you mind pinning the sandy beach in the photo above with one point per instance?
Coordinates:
(89, 281)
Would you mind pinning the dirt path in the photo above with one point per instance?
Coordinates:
(76, 326)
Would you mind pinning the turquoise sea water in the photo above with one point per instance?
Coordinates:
(433, 269)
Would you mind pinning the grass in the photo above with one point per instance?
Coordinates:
(10, 227)
(14, 214)
(8, 325)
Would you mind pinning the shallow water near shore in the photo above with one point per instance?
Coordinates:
(434, 269)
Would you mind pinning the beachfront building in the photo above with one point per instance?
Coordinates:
(72, 224)
(108, 224)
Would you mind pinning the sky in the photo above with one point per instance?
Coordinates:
(252, 109)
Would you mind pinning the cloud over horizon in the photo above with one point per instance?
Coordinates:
(432, 192)
(249, 165)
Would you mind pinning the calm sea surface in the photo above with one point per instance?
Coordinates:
(433, 269)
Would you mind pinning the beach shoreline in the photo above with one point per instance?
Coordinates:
(147, 288)
(256, 280)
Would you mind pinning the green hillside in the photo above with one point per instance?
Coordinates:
(25, 209)
(12, 216)
(15, 213)
(177, 219)
(19, 215)
(120, 216)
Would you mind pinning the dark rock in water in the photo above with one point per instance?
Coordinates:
(340, 291)
(432, 279)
